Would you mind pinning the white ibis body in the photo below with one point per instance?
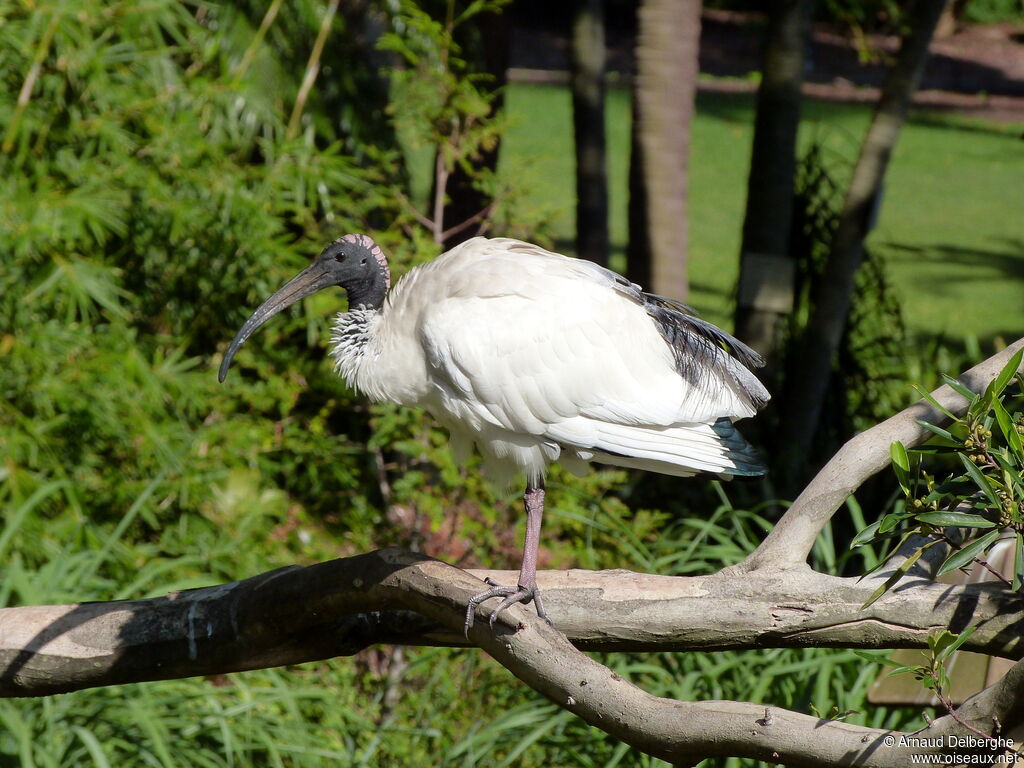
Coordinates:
(534, 357)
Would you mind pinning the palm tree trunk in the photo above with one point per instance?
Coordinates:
(668, 41)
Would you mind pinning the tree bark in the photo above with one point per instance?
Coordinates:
(668, 41)
(807, 384)
(588, 91)
(765, 295)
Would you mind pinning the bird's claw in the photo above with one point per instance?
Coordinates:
(511, 595)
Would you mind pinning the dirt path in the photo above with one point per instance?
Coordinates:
(977, 71)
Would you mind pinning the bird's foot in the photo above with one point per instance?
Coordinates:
(512, 595)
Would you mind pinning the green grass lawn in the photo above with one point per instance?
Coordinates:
(951, 227)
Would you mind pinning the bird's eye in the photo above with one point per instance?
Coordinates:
(339, 257)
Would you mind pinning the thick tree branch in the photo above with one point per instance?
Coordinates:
(297, 614)
(789, 543)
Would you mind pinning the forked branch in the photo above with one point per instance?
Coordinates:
(790, 542)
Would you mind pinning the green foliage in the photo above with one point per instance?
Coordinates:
(446, 116)
(149, 194)
(994, 11)
(982, 492)
(437, 100)
(933, 673)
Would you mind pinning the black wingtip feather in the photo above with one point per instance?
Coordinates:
(674, 312)
(698, 347)
(696, 344)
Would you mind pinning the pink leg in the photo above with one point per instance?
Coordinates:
(526, 590)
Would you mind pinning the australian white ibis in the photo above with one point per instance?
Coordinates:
(535, 357)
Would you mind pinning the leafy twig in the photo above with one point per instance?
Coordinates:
(407, 204)
(254, 44)
(312, 69)
(25, 95)
(480, 215)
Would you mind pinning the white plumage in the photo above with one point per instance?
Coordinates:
(533, 357)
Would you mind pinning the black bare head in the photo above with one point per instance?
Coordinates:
(354, 262)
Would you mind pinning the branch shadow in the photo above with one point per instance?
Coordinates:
(264, 620)
(989, 264)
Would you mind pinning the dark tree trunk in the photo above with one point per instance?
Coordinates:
(638, 249)
(807, 382)
(588, 62)
(668, 40)
(486, 41)
(765, 294)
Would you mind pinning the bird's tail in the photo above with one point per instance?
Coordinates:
(681, 450)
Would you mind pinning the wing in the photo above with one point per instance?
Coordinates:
(537, 343)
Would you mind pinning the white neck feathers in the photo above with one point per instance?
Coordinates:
(379, 353)
(352, 344)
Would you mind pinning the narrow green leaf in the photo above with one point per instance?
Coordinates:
(904, 669)
(984, 403)
(891, 535)
(957, 641)
(960, 485)
(956, 386)
(937, 430)
(888, 555)
(898, 452)
(866, 535)
(980, 480)
(92, 744)
(964, 556)
(891, 520)
(1000, 382)
(962, 519)
(935, 450)
(1007, 427)
(1011, 473)
(901, 465)
(878, 657)
(899, 573)
(938, 640)
(15, 521)
(928, 396)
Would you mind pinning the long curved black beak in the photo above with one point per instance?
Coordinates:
(308, 281)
